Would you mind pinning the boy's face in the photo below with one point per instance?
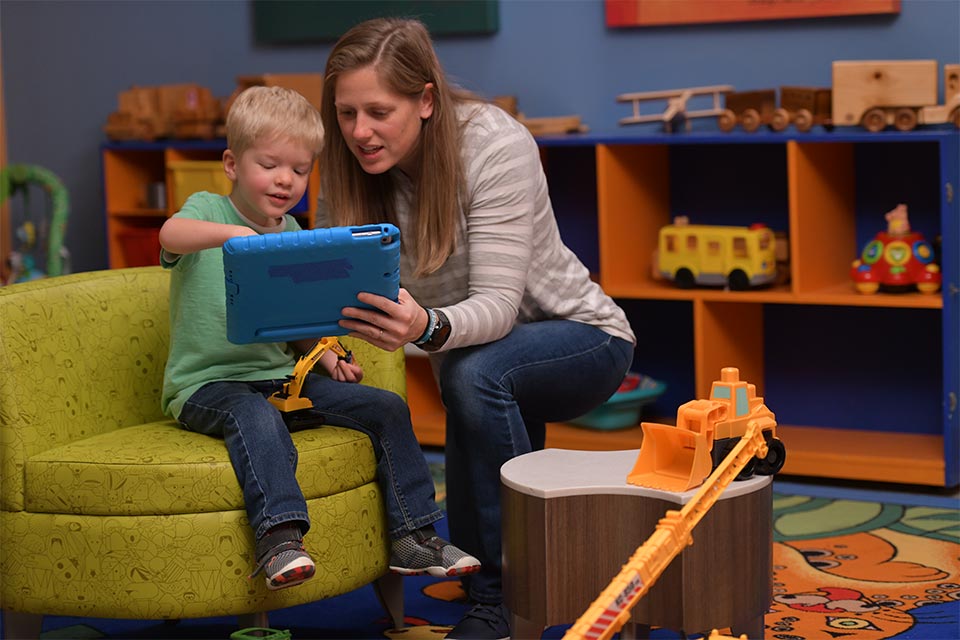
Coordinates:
(269, 178)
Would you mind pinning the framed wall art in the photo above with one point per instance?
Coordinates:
(649, 13)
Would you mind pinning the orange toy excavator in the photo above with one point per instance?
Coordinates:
(680, 458)
(727, 437)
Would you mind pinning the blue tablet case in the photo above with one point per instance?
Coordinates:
(292, 285)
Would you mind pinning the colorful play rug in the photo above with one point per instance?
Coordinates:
(848, 564)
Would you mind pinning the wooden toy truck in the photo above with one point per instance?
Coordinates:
(903, 93)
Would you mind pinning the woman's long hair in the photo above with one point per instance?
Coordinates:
(401, 53)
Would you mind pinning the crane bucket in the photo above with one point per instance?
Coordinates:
(671, 459)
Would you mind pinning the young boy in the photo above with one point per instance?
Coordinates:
(214, 387)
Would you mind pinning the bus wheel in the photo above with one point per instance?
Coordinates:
(738, 280)
(684, 279)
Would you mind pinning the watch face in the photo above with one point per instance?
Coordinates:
(441, 331)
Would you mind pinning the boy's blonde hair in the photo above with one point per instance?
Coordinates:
(266, 112)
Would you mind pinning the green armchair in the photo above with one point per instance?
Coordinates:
(109, 509)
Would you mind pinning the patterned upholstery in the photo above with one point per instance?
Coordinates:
(108, 509)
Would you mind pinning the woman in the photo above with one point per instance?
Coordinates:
(518, 334)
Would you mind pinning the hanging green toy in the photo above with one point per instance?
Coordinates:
(17, 178)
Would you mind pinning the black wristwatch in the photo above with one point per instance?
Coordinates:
(440, 333)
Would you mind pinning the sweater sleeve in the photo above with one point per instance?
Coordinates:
(504, 178)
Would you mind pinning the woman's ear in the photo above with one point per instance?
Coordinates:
(426, 101)
(230, 165)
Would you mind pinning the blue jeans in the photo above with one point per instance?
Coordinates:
(499, 397)
(265, 460)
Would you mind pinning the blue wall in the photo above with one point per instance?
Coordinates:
(65, 62)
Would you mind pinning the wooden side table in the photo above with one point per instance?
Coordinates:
(571, 521)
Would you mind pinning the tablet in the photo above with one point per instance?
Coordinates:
(292, 285)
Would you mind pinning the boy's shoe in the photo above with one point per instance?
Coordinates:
(483, 622)
(418, 552)
(286, 563)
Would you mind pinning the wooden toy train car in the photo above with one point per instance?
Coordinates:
(871, 94)
(801, 106)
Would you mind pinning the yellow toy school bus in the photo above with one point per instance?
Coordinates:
(711, 255)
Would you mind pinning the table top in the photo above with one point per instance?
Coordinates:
(556, 473)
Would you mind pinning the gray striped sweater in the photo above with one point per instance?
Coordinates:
(510, 265)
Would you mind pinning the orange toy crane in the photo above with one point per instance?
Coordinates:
(668, 459)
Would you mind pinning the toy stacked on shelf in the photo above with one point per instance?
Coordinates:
(872, 94)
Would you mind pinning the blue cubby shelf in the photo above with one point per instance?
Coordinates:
(865, 387)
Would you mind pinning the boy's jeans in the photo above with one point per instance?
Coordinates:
(498, 397)
(265, 460)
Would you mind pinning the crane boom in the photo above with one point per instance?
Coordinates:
(611, 610)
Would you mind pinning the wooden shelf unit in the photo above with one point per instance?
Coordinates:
(129, 170)
(865, 386)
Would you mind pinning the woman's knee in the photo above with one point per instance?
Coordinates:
(463, 375)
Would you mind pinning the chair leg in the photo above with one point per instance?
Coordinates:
(259, 619)
(21, 626)
(389, 590)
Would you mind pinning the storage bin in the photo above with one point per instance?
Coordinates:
(140, 246)
(623, 408)
(190, 176)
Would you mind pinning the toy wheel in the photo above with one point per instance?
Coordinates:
(905, 119)
(803, 120)
(780, 119)
(738, 280)
(684, 279)
(776, 456)
(928, 287)
(724, 447)
(727, 120)
(750, 119)
(867, 287)
(874, 120)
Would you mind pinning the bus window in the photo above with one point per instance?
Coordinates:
(764, 241)
(670, 243)
(691, 243)
(740, 247)
(713, 247)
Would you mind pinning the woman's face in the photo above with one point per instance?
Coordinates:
(381, 128)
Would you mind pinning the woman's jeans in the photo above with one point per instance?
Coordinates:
(265, 460)
(499, 397)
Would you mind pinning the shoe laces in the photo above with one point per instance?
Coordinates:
(492, 613)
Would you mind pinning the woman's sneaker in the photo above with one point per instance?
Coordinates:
(419, 552)
(483, 622)
(285, 563)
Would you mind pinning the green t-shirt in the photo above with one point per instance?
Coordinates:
(199, 349)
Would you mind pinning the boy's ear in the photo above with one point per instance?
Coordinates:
(230, 165)
(426, 101)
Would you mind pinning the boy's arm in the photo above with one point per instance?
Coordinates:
(181, 236)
